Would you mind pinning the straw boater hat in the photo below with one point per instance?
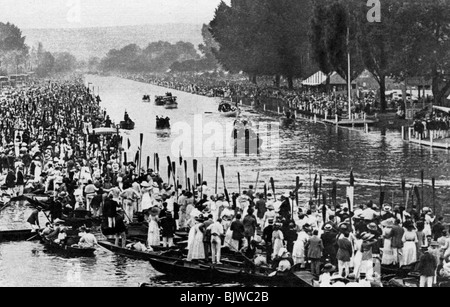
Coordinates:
(58, 221)
(372, 227)
(328, 227)
(387, 207)
(387, 223)
(145, 184)
(155, 211)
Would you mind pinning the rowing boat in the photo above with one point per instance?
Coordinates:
(17, 235)
(188, 270)
(67, 251)
(157, 253)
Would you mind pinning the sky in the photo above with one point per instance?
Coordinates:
(104, 13)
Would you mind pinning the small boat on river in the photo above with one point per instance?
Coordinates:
(67, 250)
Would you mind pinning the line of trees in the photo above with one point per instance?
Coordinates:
(17, 57)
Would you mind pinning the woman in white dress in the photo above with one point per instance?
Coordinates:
(154, 238)
(146, 198)
(299, 250)
(409, 246)
(277, 240)
(197, 248)
(388, 253)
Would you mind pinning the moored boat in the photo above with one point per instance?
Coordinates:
(18, 235)
(66, 250)
(198, 271)
(157, 253)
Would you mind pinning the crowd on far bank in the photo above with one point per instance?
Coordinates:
(237, 88)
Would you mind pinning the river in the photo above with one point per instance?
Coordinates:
(302, 151)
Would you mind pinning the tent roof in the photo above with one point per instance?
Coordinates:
(319, 78)
(444, 109)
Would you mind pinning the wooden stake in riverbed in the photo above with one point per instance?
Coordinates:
(239, 183)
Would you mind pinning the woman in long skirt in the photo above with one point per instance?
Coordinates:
(146, 199)
(154, 238)
(299, 250)
(197, 250)
(409, 246)
(277, 240)
(388, 253)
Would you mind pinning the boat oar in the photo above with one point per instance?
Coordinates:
(297, 183)
(189, 184)
(324, 208)
(217, 172)
(239, 182)
(195, 164)
(148, 162)
(157, 162)
(125, 158)
(186, 176)
(265, 191)
(169, 163)
(257, 180)
(433, 185)
(33, 237)
(404, 190)
(422, 175)
(222, 169)
(334, 193)
(272, 183)
(140, 153)
(174, 172)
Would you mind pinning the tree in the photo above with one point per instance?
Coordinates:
(209, 44)
(266, 37)
(64, 62)
(13, 51)
(425, 43)
(46, 64)
(377, 43)
(333, 36)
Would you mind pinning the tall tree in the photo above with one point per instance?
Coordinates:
(333, 36)
(425, 43)
(378, 43)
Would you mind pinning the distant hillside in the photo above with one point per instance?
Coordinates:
(90, 42)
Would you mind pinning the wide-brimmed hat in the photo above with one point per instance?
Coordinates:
(145, 184)
(372, 227)
(328, 268)
(58, 221)
(387, 223)
(155, 211)
(62, 194)
(328, 227)
(155, 185)
(270, 207)
(387, 208)
(434, 244)
(365, 236)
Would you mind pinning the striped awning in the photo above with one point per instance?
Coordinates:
(317, 79)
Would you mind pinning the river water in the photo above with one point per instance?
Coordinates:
(304, 150)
